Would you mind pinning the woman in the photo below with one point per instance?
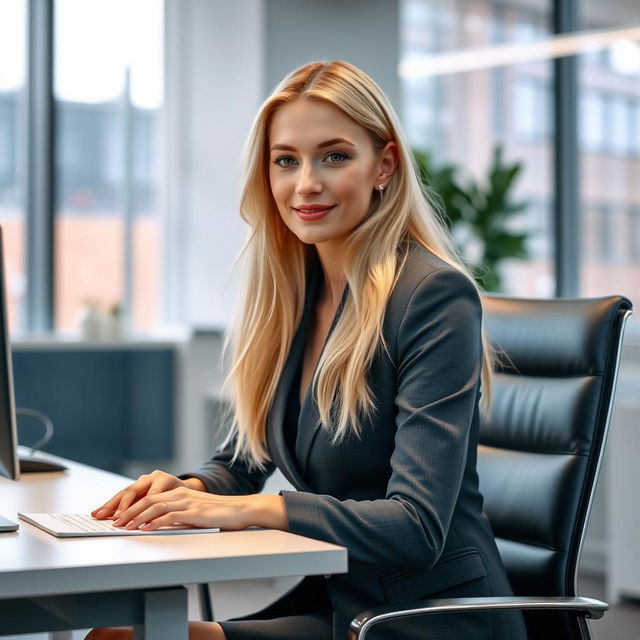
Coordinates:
(356, 359)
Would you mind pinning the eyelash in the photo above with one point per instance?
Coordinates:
(342, 154)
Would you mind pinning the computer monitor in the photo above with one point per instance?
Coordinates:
(9, 463)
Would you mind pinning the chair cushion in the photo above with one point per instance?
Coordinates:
(527, 495)
(551, 337)
(542, 414)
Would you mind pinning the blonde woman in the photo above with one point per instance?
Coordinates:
(356, 366)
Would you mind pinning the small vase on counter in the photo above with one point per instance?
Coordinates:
(91, 321)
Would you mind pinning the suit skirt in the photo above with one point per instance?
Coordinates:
(306, 613)
(303, 613)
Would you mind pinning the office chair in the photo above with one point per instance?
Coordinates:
(539, 457)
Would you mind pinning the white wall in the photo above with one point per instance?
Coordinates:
(362, 32)
(223, 58)
(598, 541)
(213, 89)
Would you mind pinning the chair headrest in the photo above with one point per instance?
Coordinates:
(547, 337)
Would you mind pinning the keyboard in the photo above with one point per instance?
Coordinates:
(82, 522)
(79, 525)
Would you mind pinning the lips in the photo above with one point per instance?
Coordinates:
(313, 211)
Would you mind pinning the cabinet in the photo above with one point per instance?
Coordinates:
(623, 574)
(111, 402)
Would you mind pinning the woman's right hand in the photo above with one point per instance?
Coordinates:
(147, 484)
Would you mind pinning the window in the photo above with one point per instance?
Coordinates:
(531, 113)
(13, 44)
(606, 219)
(619, 119)
(108, 90)
(609, 97)
(459, 118)
(634, 235)
(635, 127)
(592, 121)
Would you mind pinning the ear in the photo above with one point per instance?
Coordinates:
(388, 163)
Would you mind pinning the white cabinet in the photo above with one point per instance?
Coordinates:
(623, 557)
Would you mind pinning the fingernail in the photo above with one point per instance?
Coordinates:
(97, 513)
(117, 523)
(131, 525)
(116, 515)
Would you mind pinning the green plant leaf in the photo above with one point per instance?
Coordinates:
(481, 208)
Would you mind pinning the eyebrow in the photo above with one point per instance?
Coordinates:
(322, 145)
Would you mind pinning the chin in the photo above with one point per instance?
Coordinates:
(314, 236)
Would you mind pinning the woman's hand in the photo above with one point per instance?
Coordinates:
(145, 485)
(193, 508)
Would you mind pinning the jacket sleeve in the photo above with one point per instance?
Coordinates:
(225, 476)
(438, 371)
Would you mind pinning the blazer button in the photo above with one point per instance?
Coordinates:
(327, 576)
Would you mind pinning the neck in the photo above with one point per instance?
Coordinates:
(333, 271)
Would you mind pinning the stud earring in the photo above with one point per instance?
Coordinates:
(380, 188)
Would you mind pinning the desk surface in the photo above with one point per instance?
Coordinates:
(34, 563)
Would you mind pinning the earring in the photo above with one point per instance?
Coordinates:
(380, 188)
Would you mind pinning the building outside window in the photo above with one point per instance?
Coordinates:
(460, 117)
(108, 86)
(609, 160)
(13, 44)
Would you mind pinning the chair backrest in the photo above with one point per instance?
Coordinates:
(542, 444)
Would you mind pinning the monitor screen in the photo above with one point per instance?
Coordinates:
(9, 465)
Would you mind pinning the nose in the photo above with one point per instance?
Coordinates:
(308, 180)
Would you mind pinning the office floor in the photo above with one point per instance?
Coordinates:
(235, 598)
(621, 622)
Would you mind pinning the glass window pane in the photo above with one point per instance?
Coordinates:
(610, 189)
(13, 44)
(461, 118)
(592, 121)
(619, 118)
(108, 84)
(635, 127)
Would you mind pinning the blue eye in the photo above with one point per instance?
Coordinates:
(284, 161)
(337, 157)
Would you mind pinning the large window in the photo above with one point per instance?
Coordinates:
(12, 115)
(108, 89)
(609, 86)
(459, 118)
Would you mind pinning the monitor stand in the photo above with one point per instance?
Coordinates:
(38, 465)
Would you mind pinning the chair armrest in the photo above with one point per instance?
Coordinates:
(362, 623)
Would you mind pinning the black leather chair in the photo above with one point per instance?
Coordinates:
(539, 456)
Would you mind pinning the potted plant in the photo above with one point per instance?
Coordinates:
(478, 214)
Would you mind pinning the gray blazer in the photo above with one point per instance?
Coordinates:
(403, 497)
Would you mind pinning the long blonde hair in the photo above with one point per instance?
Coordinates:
(275, 263)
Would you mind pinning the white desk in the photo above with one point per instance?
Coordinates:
(51, 584)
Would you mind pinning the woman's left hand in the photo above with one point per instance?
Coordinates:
(197, 509)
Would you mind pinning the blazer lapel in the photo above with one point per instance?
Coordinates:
(278, 448)
(309, 420)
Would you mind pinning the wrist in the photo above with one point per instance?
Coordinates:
(268, 511)
(195, 483)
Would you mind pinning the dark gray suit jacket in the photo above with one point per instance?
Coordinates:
(403, 498)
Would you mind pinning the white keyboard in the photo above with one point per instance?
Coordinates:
(83, 522)
(78, 525)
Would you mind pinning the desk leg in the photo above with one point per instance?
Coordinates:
(165, 615)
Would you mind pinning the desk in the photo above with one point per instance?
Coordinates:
(51, 584)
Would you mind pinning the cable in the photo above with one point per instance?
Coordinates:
(48, 427)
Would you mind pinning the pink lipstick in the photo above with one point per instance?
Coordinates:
(313, 211)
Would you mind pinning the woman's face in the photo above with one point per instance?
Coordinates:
(323, 170)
